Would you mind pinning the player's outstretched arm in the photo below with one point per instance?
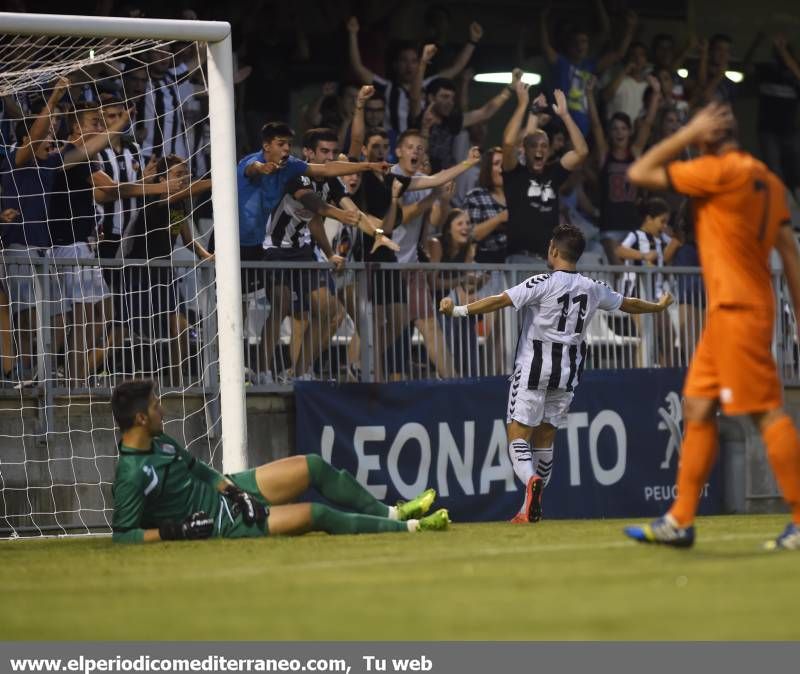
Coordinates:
(485, 306)
(633, 305)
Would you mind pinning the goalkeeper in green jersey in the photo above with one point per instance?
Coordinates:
(161, 492)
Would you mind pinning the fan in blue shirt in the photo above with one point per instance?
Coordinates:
(262, 177)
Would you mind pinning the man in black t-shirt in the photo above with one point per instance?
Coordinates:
(532, 190)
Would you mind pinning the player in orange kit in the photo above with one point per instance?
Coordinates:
(741, 214)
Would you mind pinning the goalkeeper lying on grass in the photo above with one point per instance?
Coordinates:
(161, 492)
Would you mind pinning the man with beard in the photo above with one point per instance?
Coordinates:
(163, 493)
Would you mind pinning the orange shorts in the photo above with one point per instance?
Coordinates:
(733, 362)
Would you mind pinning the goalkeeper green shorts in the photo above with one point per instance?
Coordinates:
(230, 525)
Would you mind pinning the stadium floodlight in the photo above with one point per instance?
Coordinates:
(734, 76)
(505, 78)
(57, 467)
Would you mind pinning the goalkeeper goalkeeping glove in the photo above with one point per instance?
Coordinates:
(196, 526)
(252, 510)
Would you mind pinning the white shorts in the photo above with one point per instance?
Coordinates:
(79, 284)
(18, 276)
(534, 407)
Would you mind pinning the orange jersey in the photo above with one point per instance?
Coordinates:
(739, 206)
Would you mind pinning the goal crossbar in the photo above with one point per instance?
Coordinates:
(113, 27)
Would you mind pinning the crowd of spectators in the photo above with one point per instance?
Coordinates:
(397, 166)
(100, 163)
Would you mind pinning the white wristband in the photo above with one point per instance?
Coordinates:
(460, 311)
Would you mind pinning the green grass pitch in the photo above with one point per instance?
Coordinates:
(554, 580)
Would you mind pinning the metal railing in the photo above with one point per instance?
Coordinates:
(61, 335)
(367, 323)
(380, 322)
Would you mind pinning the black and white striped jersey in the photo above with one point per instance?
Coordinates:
(643, 285)
(164, 115)
(397, 102)
(556, 310)
(287, 226)
(122, 167)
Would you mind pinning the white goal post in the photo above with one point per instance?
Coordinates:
(223, 168)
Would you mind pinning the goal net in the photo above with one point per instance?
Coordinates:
(107, 269)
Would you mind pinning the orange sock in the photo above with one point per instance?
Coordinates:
(783, 452)
(698, 453)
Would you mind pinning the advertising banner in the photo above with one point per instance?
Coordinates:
(617, 457)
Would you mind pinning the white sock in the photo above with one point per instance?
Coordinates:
(543, 463)
(520, 453)
(393, 513)
(412, 525)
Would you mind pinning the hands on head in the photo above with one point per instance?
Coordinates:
(710, 123)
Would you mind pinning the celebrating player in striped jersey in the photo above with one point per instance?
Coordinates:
(551, 352)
